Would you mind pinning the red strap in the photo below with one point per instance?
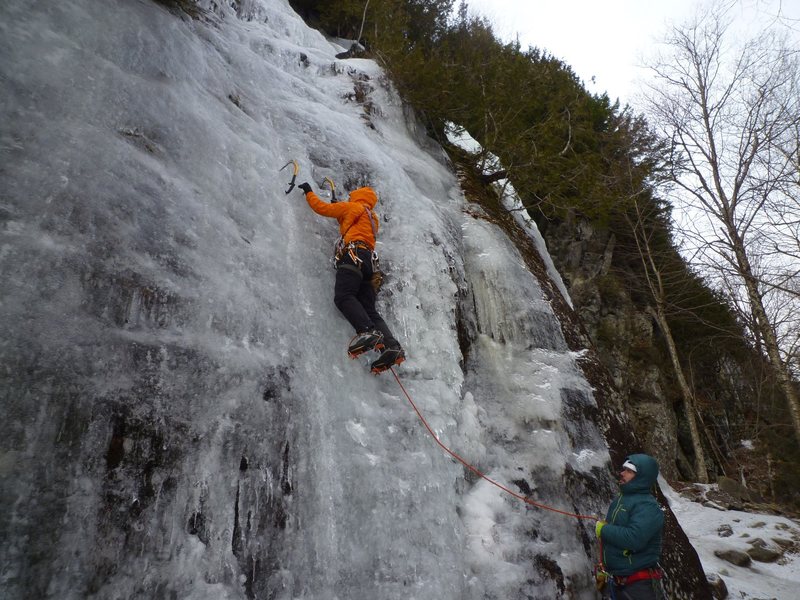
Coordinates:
(639, 576)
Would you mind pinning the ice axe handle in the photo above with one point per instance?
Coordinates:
(329, 181)
(294, 174)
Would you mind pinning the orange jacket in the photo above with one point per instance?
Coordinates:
(352, 216)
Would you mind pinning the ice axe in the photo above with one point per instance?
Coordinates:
(294, 175)
(329, 181)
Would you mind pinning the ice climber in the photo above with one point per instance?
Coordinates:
(355, 260)
(631, 534)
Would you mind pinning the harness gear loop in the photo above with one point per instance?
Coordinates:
(350, 250)
(377, 274)
(294, 175)
(329, 181)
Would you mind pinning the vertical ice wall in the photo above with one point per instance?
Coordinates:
(528, 407)
(179, 417)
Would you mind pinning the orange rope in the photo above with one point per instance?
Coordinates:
(479, 473)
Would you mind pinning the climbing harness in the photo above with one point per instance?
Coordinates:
(643, 574)
(616, 582)
(294, 174)
(351, 250)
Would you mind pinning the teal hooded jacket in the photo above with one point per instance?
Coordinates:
(632, 536)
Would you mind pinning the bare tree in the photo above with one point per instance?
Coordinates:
(655, 275)
(733, 115)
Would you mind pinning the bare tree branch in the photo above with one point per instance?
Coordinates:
(735, 122)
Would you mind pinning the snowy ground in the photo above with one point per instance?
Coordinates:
(759, 580)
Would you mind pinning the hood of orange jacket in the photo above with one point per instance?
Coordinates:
(365, 195)
(353, 216)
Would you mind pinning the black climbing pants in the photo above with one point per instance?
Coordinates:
(354, 295)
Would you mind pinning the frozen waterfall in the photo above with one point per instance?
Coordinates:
(179, 416)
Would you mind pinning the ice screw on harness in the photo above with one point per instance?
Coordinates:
(294, 175)
(329, 181)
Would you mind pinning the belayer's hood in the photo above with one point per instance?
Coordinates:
(646, 474)
(365, 195)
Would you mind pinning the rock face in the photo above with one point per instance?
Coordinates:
(718, 588)
(623, 335)
(725, 530)
(733, 488)
(762, 551)
(728, 495)
(630, 345)
(764, 554)
(735, 557)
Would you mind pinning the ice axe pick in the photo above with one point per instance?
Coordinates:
(294, 174)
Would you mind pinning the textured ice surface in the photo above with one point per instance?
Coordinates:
(179, 416)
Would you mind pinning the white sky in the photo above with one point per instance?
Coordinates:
(606, 40)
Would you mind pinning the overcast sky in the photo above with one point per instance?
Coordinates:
(606, 40)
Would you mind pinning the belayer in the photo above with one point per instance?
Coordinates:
(356, 266)
(631, 535)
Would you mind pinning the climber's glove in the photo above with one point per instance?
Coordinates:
(305, 187)
(599, 527)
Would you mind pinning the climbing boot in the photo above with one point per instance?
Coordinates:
(388, 358)
(365, 341)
